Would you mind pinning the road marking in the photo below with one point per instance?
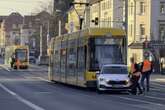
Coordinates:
(21, 99)
(158, 98)
(105, 100)
(29, 70)
(142, 101)
(160, 85)
(159, 80)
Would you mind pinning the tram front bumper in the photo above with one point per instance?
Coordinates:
(91, 84)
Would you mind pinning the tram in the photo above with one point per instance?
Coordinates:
(76, 57)
(19, 52)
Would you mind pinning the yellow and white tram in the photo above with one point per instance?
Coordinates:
(76, 57)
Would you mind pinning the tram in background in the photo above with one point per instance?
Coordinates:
(76, 57)
(18, 52)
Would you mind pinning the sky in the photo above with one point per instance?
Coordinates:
(24, 7)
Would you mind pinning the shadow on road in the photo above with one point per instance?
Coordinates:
(69, 87)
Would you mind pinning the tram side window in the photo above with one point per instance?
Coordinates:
(71, 61)
(63, 60)
(57, 61)
(81, 59)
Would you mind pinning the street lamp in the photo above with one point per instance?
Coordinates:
(59, 21)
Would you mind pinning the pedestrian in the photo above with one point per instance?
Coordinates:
(132, 69)
(146, 72)
(135, 76)
(17, 63)
(12, 61)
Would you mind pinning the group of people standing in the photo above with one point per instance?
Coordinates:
(139, 73)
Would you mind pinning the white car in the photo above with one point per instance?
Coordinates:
(113, 77)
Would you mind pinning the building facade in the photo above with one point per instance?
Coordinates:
(12, 26)
(76, 15)
(146, 30)
(2, 37)
(2, 34)
(61, 8)
(16, 29)
(108, 13)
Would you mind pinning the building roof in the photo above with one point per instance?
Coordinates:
(28, 19)
(3, 17)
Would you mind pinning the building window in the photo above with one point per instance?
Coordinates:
(142, 29)
(30, 32)
(134, 55)
(14, 26)
(162, 7)
(109, 4)
(142, 7)
(162, 32)
(106, 5)
(30, 24)
(131, 11)
(131, 30)
(103, 5)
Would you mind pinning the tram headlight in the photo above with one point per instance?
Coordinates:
(127, 82)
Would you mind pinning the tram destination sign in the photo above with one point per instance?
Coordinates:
(108, 35)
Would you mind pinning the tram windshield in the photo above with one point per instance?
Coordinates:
(21, 54)
(106, 51)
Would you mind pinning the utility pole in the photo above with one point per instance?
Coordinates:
(126, 27)
(126, 16)
(41, 52)
(134, 20)
(59, 28)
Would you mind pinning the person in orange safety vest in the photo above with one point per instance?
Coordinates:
(132, 65)
(135, 81)
(135, 76)
(146, 70)
(17, 63)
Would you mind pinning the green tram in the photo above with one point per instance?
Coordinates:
(76, 57)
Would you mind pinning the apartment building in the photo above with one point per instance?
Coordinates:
(2, 36)
(146, 27)
(146, 24)
(108, 13)
(76, 15)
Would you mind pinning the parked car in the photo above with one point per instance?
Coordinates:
(113, 77)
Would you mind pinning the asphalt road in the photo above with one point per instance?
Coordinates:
(30, 90)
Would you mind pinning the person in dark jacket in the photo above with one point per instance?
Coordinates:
(146, 71)
(12, 61)
(135, 80)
